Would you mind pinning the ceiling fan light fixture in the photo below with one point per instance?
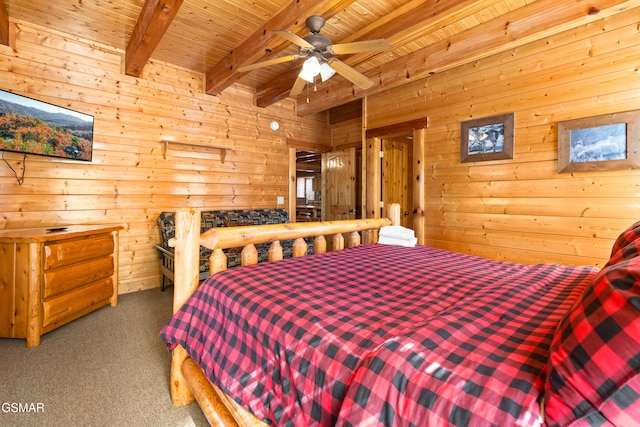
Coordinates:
(310, 69)
(317, 50)
(326, 72)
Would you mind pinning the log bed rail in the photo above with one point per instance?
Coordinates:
(188, 381)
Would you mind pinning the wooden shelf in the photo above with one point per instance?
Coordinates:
(193, 147)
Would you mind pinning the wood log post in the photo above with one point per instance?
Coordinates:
(181, 394)
(354, 239)
(217, 261)
(394, 213)
(299, 248)
(186, 280)
(249, 255)
(275, 251)
(337, 242)
(209, 399)
(319, 245)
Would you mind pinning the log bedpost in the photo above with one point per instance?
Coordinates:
(187, 259)
(393, 213)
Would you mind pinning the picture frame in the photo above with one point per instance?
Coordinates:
(599, 143)
(488, 138)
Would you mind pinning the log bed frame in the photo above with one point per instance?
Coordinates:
(188, 382)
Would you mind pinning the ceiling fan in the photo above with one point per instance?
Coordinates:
(319, 51)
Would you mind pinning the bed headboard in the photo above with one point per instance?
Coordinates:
(188, 241)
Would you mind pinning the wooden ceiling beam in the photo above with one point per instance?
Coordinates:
(410, 21)
(398, 128)
(4, 24)
(307, 145)
(153, 22)
(263, 44)
(535, 21)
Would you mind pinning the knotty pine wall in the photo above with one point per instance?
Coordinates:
(347, 133)
(522, 209)
(129, 182)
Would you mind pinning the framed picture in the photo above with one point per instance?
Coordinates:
(599, 143)
(489, 138)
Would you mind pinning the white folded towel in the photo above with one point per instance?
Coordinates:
(385, 240)
(397, 231)
(397, 235)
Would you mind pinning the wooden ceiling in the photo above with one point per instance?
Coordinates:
(216, 37)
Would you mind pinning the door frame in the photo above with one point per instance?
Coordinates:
(391, 146)
(293, 146)
(371, 174)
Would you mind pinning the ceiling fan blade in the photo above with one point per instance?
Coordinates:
(294, 38)
(297, 87)
(355, 77)
(365, 46)
(267, 63)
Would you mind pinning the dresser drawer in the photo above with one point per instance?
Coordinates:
(72, 251)
(61, 280)
(71, 305)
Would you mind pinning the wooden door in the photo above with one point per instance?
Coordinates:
(339, 177)
(396, 176)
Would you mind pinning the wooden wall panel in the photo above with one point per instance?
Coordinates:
(522, 209)
(347, 133)
(129, 182)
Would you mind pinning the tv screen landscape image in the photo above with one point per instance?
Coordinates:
(35, 127)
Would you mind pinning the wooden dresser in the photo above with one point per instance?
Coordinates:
(49, 278)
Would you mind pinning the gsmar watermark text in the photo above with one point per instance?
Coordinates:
(19, 407)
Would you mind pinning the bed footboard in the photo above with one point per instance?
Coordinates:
(188, 382)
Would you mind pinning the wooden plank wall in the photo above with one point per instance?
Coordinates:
(129, 182)
(523, 210)
(346, 134)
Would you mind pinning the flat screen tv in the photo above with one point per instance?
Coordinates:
(35, 127)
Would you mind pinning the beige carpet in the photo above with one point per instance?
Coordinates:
(108, 368)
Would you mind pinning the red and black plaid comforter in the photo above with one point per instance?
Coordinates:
(380, 335)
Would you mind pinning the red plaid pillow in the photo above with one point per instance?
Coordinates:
(593, 373)
(627, 245)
